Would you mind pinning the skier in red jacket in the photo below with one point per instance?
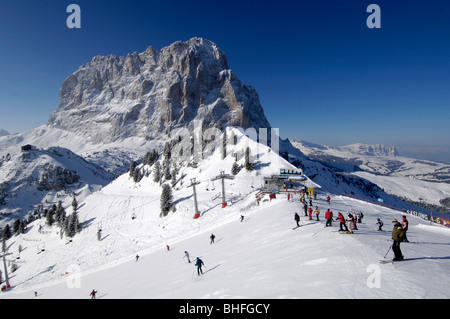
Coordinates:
(310, 213)
(341, 219)
(328, 217)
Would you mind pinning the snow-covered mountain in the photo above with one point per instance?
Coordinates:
(151, 93)
(38, 176)
(375, 159)
(418, 180)
(3, 132)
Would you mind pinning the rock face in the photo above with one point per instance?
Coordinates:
(149, 94)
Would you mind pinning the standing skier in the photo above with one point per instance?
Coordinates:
(305, 208)
(341, 219)
(397, 235)
(328, 199)
(354, 221)
(349, 223)
(317, 213)
(310, 213)
(328, 217)
(405, 224)
(297, 219)
(199, 263)
(212, 238)
(380, 224)
(186, 255)
(93, 293)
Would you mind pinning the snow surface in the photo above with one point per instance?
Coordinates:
(261, 257)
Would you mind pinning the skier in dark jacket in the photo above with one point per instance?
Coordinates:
(397, 236)
(297, 219)
(199, 263)
(405, 224)
(380, 224)
(212, 238)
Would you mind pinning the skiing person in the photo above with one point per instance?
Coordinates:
(380, 224)
(317, 213)
(341, 219)
(242, 218)
(354, 221)
(186, 255)
(328, 199)
(93, 293)
(199, 263)
(212, 238)
(328, 217)
(405, 224)
(397, 236)
(349, 223)
(305, 208)
(297, 219)
(137, 257)
(310, 213)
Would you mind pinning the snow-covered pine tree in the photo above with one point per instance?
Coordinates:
(157, 172)
(248, 163)
(235, 168)
(166, 199)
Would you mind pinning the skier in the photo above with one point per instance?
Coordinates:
(137, 257)
(341, 219)
(212, 238)
(328, 217)
(297, 219)
(328, 199)
(186, 255)
(305, 208)
(199, 263)
(168, 248)
(380, 224)
(310, 213)
(93, 293)
(317, 213)
(242, 218)
(354, 221)
(349, 223)
(405, 224)
(397, 236)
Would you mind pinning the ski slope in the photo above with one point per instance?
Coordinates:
(261, 257)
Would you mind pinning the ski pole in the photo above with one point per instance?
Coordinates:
(388, 251)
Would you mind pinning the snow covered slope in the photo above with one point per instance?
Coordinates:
(261, 257)
(36, 176)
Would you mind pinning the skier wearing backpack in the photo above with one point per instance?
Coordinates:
(397, 236)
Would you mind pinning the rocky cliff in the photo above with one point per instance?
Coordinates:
(149, 94)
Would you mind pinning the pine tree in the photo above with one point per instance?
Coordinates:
(248, 163)
(235, 168)
(166, 199)
(156, 172)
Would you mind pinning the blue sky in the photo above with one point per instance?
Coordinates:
(322, 75)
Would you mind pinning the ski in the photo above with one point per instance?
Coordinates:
(296, 227)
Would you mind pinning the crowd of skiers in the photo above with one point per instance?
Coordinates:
(349, 223)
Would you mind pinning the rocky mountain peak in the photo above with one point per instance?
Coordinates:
(149, 94)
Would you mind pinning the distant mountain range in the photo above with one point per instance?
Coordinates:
(375, 159)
